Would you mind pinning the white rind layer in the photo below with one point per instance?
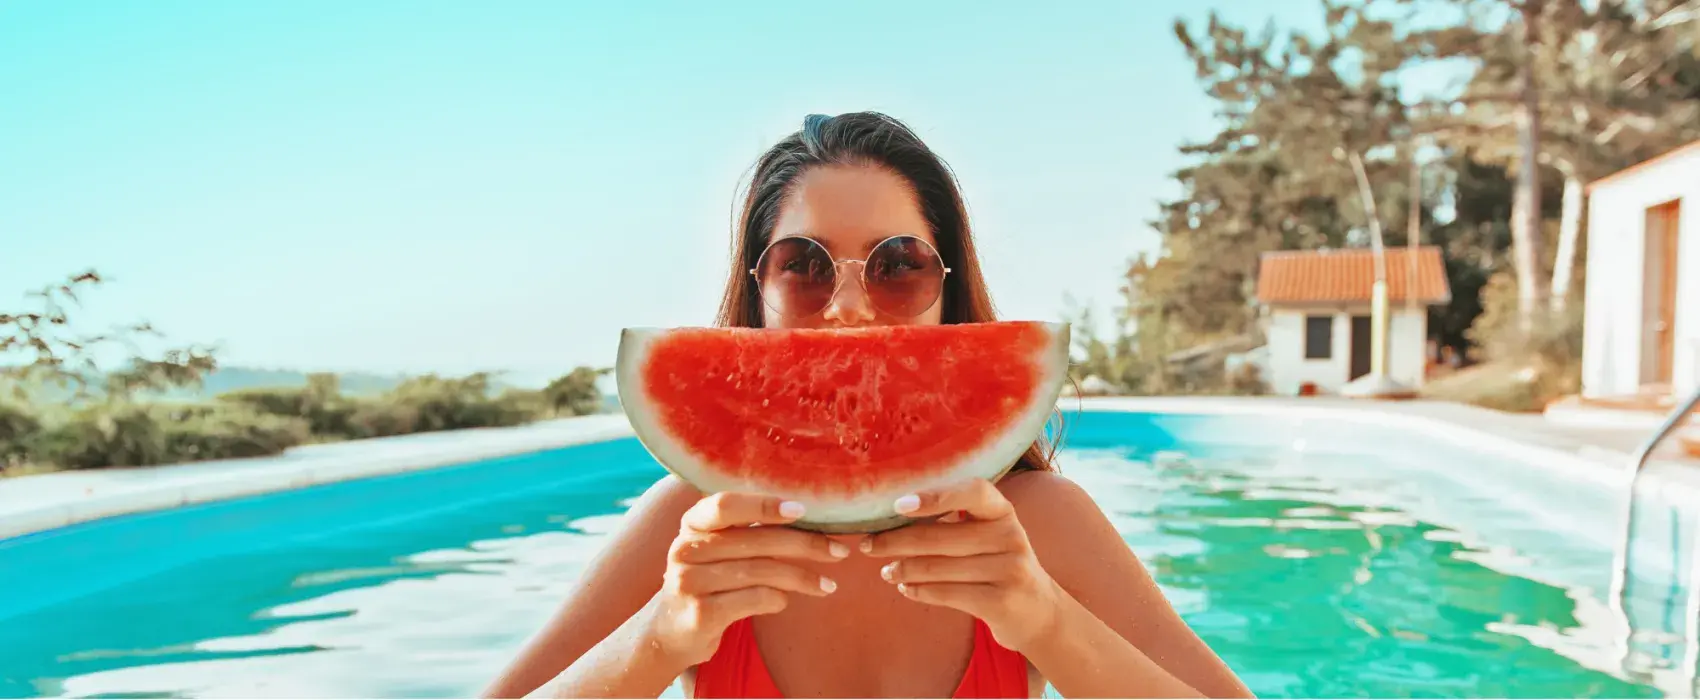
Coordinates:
(873, 510)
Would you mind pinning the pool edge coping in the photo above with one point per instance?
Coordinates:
(300, 467)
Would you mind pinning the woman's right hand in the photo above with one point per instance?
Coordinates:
(729, 562)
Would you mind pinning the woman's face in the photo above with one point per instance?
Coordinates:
(850, 209)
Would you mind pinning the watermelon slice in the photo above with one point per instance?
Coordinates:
(844, 421)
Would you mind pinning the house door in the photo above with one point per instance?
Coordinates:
(1659, 296)
(1360, 347)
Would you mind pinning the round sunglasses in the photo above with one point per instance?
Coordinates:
(902, 276)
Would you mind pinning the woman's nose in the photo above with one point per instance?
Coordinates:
(849, 305)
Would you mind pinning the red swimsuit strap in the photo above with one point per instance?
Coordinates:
(737, 671)
(993, 671)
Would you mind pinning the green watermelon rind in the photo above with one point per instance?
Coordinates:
(873, 511)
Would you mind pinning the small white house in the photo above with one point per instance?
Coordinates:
(1642, 317)
(1316, 306)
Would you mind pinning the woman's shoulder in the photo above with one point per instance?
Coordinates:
(1062, 520)
(1044, 494)
(663, 503)
(670, 491)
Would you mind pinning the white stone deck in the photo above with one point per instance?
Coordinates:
(44, 501)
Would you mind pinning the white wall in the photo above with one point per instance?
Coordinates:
(1288, 368)
(1611, 353)
(1407, 336)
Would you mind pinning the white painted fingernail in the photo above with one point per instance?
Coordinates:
(837, 549)
(791, 509)
(908, 503)
(887, 571)
(866, 545)
(828, 585)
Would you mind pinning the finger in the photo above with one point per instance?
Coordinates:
(943, 539)
(984, 568)
(708, 579)
(727, 509)
(979, 498)
(751, 543)
(725, 608)
(978, 599)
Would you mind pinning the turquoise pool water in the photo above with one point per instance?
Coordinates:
(1316, 573)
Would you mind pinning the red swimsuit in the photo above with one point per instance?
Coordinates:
(736, 670)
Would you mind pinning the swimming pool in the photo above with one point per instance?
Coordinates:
(1320, 557)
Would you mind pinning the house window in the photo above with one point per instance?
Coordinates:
(1319, 337)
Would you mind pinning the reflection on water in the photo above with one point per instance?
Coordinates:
(1307, 592)
(427, 608)
(1301, 581)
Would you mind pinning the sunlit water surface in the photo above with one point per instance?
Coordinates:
(1287, 567)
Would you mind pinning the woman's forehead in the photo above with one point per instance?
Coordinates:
(851, 208)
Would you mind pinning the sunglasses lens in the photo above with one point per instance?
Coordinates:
(904, 276)
(795, 275)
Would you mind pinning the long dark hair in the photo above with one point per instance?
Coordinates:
(864, 138)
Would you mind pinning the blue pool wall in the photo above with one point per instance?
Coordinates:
(52, 566)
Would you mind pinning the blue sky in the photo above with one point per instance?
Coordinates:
(450, 186)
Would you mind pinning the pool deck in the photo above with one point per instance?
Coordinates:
(1607, 445)
(45, 501)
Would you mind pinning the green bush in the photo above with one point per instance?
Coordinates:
(428, 404)
(17, 427)
(522, 405)
(380, 418)
(436, 403)
(1247, 380)
(328, 415)
(103, 435)
(264, 421)
(219, 432)
(1540, 362)
(123, 434)
(321, 404)
(573, 394)
(275, 401)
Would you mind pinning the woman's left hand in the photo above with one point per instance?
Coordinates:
(980, 563)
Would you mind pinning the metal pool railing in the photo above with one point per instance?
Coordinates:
(1620, 570)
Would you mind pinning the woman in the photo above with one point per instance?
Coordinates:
(853, 221)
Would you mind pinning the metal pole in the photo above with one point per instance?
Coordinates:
(1616, 598)
(1413, 241)
(1413, 233)
(1691, 636)
(1378, 293)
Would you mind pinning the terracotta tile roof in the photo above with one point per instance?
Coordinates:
(1347, 274)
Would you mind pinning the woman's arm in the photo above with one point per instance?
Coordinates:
(1110, 627)
(616, 585)
(625, 664)
(1084, 658)
(687, 568)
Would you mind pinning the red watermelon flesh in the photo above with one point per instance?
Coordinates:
(843, 420)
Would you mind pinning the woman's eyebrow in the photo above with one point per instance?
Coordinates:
(866, 247)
